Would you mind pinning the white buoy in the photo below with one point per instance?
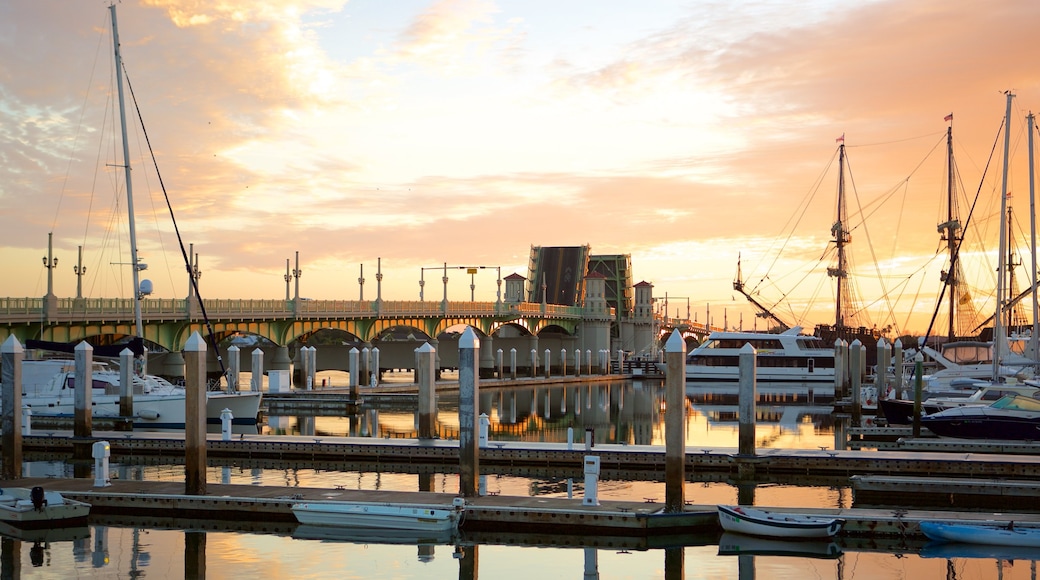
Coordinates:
(225, 424)
(101, 451)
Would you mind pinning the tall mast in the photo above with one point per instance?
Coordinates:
(998, 319)
(1035, 334)
(135, 265)
(841, 237)
(949, 232)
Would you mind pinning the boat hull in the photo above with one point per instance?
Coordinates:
(754, 522)
(979, 422)
(16, 509)
(986, 533)
(156, 411)
(377, 516)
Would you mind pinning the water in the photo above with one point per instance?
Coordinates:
(129, 552)
(620, 412)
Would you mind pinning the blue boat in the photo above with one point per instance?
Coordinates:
(988, 533)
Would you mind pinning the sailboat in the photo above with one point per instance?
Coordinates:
(157, 403)
(1014, 416)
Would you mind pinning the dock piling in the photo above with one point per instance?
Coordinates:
(675, 422)
(83, 426)
(427, 392)
(11, 355)
(918, 388)
(748, 390)
(195, 415)
(257, 370)
(126, 384)
(469, 389)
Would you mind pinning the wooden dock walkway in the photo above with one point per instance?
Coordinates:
(268, 509)
(616, 461)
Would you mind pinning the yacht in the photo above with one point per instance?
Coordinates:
(789, 356)
(158, 403)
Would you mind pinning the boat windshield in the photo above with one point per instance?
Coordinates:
(1017, 403)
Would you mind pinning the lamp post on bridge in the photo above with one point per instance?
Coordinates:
(193, 271)
(361, 283)
(297, 272)
(50, 262)
(50, 301)
(288, 278)
(80, 270)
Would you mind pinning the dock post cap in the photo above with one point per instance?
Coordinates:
(675, 342)
(11, 345)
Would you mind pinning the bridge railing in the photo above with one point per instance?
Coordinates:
(82, 309)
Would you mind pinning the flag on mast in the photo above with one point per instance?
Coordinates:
(948, 117)
(840, 139)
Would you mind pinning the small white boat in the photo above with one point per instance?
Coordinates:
(37, 508)
(988, 533)
(385, 516)
(756, 522)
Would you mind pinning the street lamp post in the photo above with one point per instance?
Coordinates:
(361, 283)
(80, 270)
(50, 262)
(297, 272)
(288, 278)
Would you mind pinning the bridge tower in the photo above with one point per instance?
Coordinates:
(637, 333)
(594, 330)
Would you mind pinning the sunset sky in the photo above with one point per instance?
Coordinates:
(424, 132)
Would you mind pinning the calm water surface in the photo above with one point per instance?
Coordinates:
(620, 412)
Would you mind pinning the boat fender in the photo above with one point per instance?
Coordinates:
(150, 414)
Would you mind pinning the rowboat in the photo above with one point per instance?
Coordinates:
(756, 522)
(36, 508)
(989, 533)
(383, 516)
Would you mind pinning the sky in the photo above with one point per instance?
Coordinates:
(414, 134)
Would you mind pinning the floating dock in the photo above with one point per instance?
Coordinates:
(268, 509)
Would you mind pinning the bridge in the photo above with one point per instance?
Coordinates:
(168, 323)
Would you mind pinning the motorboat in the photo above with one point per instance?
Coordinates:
(988, 533)
(734, 544)
(38, 508)
(971, 360)
(1013, 417)
(959, 394)
(757, 522)
(158, 403)
(382, 516)
(788, 356)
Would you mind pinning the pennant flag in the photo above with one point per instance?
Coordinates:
(948, 117)
(840, 139)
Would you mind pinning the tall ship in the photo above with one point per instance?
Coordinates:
(847, 325)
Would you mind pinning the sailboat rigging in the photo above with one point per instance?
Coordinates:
(143, 288)
(846, 325)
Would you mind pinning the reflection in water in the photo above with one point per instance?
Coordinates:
(173, 553)
(622, 412)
